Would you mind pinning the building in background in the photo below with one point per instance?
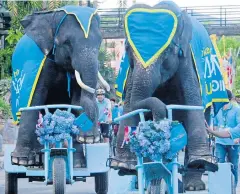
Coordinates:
(115, 47)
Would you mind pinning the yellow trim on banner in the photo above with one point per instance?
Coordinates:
(119, 94)
(35, 81)
(194, 60)
(89, 22)
(220, 100)
(18, 113)
(15, 122)
(158, 53)
(214, 99)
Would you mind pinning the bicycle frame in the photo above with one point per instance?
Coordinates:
(48, 159)
(174, 174)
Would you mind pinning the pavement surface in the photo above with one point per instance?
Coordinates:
(117, 185)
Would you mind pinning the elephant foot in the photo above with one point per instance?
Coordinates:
(25, 157)
(124, 167)
(202, 163)
(89, 139)
(79, 161)
(194, 185)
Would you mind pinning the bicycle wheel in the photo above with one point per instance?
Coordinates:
(59, 176)
(158, 186)
(11, 183)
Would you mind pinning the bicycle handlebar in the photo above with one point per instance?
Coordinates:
(125, 116)
(184, 107)
(169, 108)
(46, 107)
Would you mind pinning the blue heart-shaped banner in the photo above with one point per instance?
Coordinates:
(149, 32)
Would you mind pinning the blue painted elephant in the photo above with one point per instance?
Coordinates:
(56, 62)
(171, 61)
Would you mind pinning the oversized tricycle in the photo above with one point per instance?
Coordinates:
(160, 177)
(56, 164)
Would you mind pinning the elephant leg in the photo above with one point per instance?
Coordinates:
(192, 180)
(79, 160)
(24, 153)
(194, 120)
(124, 159)
(27, 145)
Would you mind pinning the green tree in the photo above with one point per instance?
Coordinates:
(18, 10)
(106, 70)
(232, 44)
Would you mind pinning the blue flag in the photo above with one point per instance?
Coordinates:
(27, 63)
(122, 76)
(212, 86)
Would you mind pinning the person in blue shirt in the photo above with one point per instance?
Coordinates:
(115, 109)
(115, 114)
(227, 128)
(120, 106)
(104, 114)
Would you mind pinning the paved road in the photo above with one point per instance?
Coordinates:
(118, 185)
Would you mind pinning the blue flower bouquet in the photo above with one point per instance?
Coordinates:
(56, 127)
(152, 139)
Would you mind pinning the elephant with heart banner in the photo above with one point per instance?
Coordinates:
(56, 62)
(169, 59)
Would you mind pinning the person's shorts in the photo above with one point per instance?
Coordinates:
(104, 128)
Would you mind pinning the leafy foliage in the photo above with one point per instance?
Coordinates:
(233, 43)
(106, 70)
(18, 10)
(5, 108)
(226, 43)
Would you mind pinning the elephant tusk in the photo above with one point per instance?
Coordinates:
(82, 85)
(104, 83)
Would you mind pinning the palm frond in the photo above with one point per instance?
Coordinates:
(51, 5)
(58, 3)
(12, 6)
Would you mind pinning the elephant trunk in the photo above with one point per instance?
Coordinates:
(142, 91)
(81, 84)
(86, 77)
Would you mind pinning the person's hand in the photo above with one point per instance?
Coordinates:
(226, 129)
(109, 121)
(236, 141)
(208, 128)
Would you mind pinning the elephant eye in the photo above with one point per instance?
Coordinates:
(67, 41)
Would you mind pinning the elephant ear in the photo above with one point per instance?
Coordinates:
(186, 33)
(39, 28)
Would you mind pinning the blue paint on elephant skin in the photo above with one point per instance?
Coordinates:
(27, 62)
